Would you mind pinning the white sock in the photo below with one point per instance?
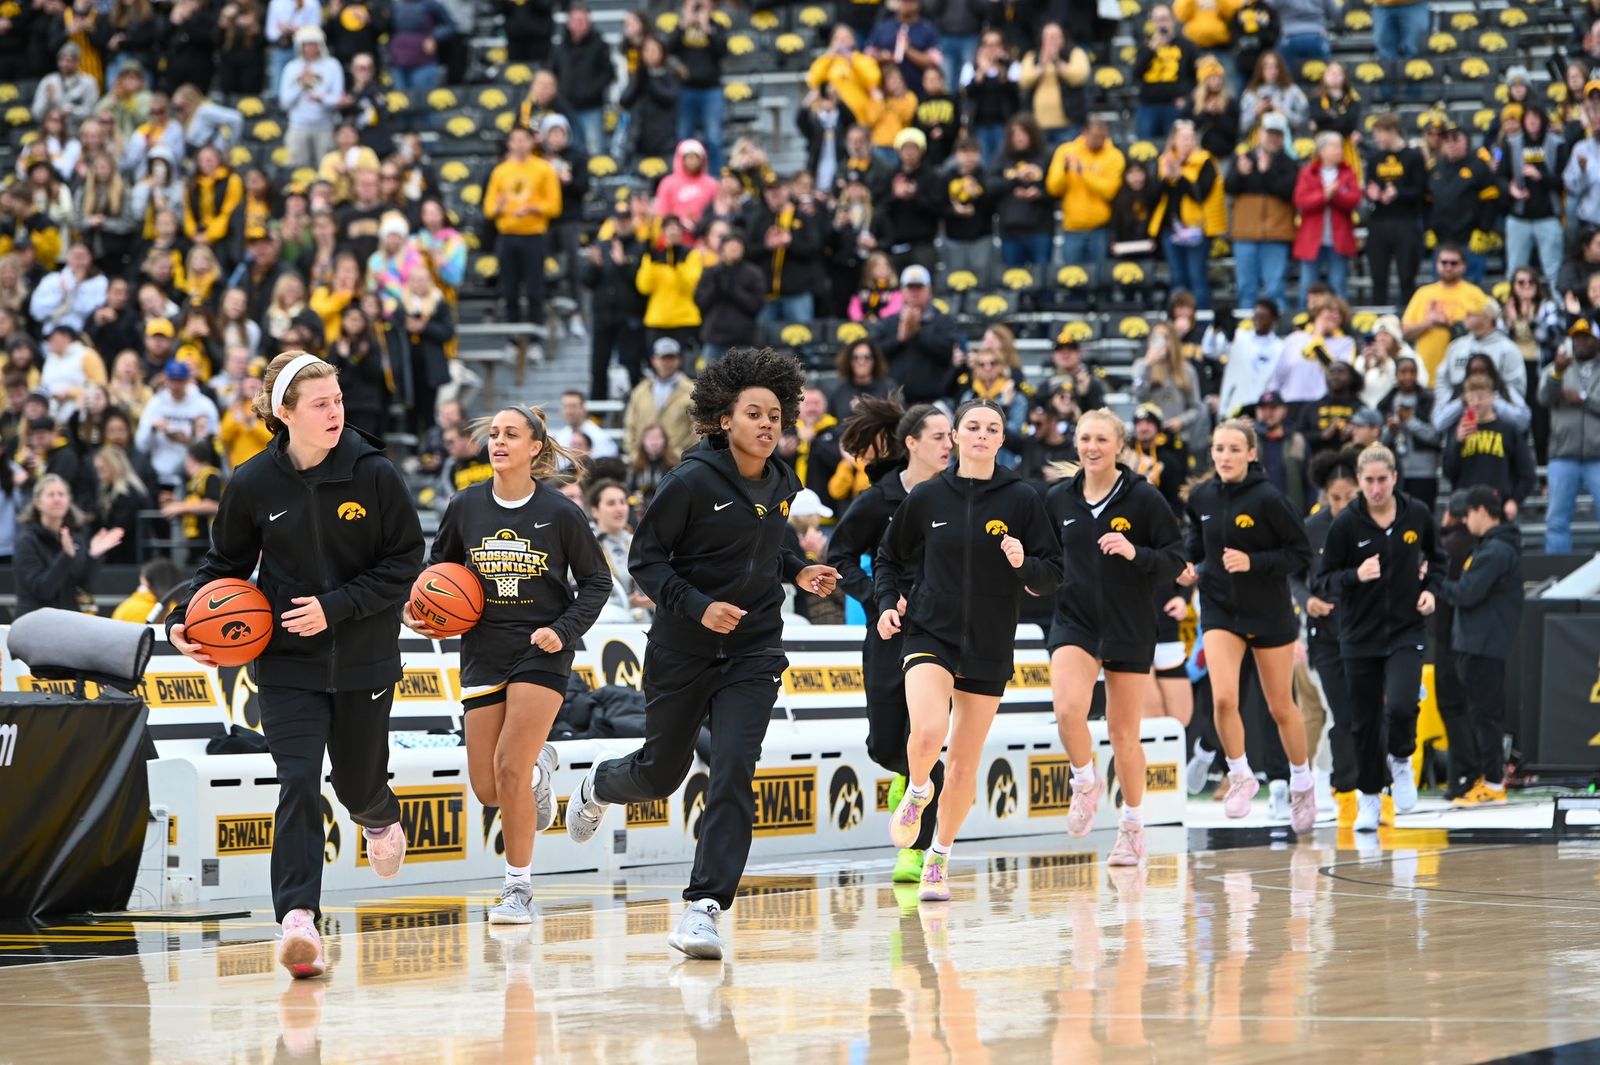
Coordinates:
(1134, 815)
(1083, 774)
(517, 873)
(1300, 778)
(1239, 767)
(940, 848)
(538, 774)
(920, 792)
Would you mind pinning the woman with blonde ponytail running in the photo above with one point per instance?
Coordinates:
(1120, 542)
(1245, 540)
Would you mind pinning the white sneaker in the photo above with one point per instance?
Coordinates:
(584, 811)
(1403, 785)
(544, 792)
(696, 934)
(515, 905)
(1369, 808)
(1278, 800)
(1198, 770)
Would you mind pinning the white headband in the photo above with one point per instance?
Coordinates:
(280, 387)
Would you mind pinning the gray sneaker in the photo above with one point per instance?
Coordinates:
(544, 792)
(584, 811)
(515, 907)
(696, 934)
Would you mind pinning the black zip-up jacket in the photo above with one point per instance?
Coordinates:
(1015, 215)
(583, 70)
(1488, 595)
(860, 532)
(921, 362)
(916, 219)
(46, 577)
(709, 535)
(1406, 170)
(345, 531)
(796, 268)
(942, 552)
(1380, 617)
(1254, 517)
(701, 54)
(730, 300)
(1496, 454)
(1324, 630)
(1108, 595)
(1457, 206)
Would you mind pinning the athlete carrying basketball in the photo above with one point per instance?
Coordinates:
(709, 551)
(960, 552)
(908, 447)
(1120, 544)
(336, 533)
(522, 539)
(1245, 541)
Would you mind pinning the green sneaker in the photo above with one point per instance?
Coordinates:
(908, 867)
(897, 790)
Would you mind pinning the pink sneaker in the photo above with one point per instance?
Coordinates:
(907, 821)
(1129, 848)
(935, 887)
(1241, 789)
(300, 948)
(1302, 810)
(388, 851)
(1085, 801)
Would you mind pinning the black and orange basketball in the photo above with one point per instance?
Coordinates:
(448, 598)
(231, 619)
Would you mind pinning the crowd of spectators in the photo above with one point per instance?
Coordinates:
(145, 281)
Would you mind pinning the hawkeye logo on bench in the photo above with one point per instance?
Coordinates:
(175, 690)
(786, 801)
(433, 820)
(1049, 785)
(244, 834)
(420, 685)
(652, 814)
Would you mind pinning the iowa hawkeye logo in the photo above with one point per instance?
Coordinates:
(1121, 524)
(351, 511)
(996, 527)
(1245, 521)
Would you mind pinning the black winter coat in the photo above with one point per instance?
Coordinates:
(1488, 595)
(46, 577)
(730, 300)
(1254, 517)
(1379, 617)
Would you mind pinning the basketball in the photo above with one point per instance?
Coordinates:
(231, 619)
(448, 598)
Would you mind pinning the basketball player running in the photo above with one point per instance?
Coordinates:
(336, 533)
(1120, 543)
(1382, 566)
(522, 539)
(960, 552)
(908, 447)
(1244, 543)
(709, 551)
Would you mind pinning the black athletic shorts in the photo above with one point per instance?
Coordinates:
(1262, 641)
(472, 698)
(1065, 635)
(918, 647)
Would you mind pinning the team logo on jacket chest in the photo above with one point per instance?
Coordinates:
(507, 559)
(351, 511)
(1410, 536)
(783, 508)
(996, 527)
(1244, 521)
(1121, 524)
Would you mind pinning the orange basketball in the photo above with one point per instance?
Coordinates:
(231, 619)
(448, 597)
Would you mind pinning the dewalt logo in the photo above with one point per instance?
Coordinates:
(823, 680)
(1049, 785)
(560, 823)
(1031, 676)
(1121, 524)
(996, 527)
(351, 511)
(173, 690)
(653, 814)
(786, 801)
(244, 834)
(1244, 521)
(433, 821)
(1161, 777)
(57, 687)
(420, 685)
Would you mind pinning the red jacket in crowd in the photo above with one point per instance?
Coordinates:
(1313, 203)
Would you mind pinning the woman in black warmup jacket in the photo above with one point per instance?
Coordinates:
(335, 530)
(1120, 543)
(952, 570)
(709, 552)
(907, 447)
(1245, 541)
(1381, 567)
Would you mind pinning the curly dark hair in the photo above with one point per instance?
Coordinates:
(717, 388)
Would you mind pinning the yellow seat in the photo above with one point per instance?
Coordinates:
(789, 43)
(472, 195)
(813, 17)
(765, 21)
(1072, 277)
(794, 334)
(455, 172)
(1462, 21)
(496, 55)
(252, 107)
(993, 305)
(239, 157)
(493, 99)
(1128, 274)
(962, 281)
(741, 44)
(442, 99)
(265, 130)
(1017, 278)
(505, 120)
(1357, 20)
(1473, 68)
(1419, 70)
(1108, 78)
(1143, 151)
(486, 266)
(459, 126)
(602, 166)
(1440, 43)
(850, 332)
(652, 167)
(1368, 73)
(518, 74)
(1513, 18)
(1133, 327)
(1311, 70)
(737, 92)
(667, 21)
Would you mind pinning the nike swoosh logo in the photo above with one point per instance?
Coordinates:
(1069, 521)
(379, 694)
(1363, 543)
(1205, 517)
(275, 517)
(719, 506)
(538, 525)
(433, 586)
(777, 680)
(939, 523)
(215, 604)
